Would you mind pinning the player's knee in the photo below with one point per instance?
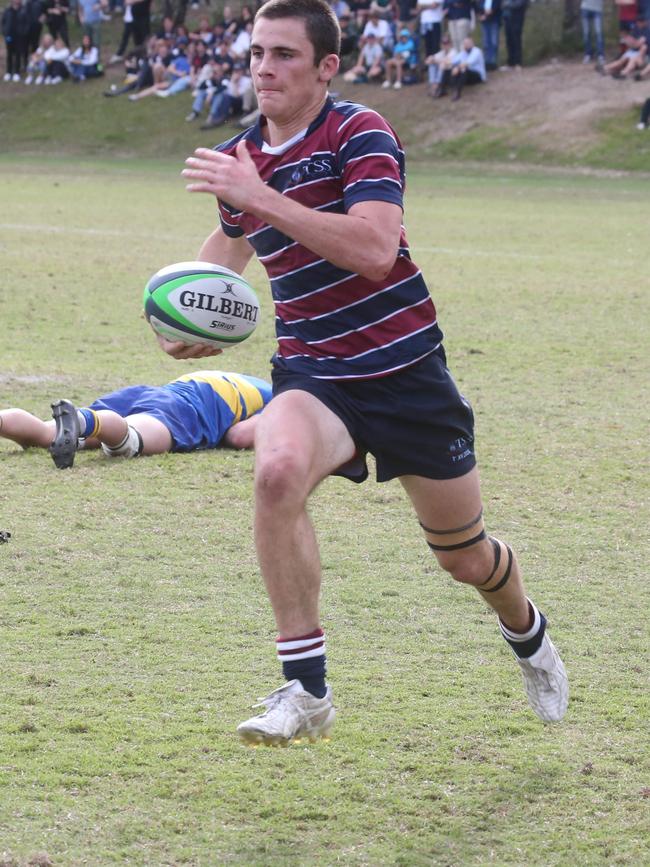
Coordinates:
(279, 478)
(468, 565)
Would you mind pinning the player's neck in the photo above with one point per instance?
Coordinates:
(277, 131)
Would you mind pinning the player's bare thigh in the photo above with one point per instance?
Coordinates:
(445, 504)
(299, 436)
(156, 438)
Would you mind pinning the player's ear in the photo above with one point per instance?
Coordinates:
(328, 67)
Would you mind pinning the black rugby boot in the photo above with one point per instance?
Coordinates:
(66, 438)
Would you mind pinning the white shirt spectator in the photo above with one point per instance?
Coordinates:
(371, 54)
(241, 45)
(87, 58)
(431, 11)
(54, 53)
(238, 87)
(381, 29)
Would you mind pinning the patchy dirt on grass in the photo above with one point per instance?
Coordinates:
(555, 105)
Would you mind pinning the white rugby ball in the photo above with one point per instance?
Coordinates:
(199, 302)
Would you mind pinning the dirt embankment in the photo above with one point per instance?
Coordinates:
(557, 104)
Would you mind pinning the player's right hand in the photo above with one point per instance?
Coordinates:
(178, 349)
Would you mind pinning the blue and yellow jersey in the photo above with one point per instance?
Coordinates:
(197, 408)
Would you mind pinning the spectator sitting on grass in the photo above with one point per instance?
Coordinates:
(232, 100)
(439, 62)
(223, 56)
(37, 63)
(229, 21)
(644, 71)
(241, 45)
(199, 56)
(217, 35)
(177, 78)
(468, 67)
(56, 57)
(634, 56)
(167, 30)
(203, 33)
(138, 74)
(84, 61)
(208, 82)
(404, 57)
(160, 59)
(181, 41)
(246, 16)
(370, 63)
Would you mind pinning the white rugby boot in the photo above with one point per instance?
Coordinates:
(546, 682)
(291, 714)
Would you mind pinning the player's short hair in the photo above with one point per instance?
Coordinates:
(321, 24)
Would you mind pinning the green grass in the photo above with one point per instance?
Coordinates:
(615, 147)
(134, 631)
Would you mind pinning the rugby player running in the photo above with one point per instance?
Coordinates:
(315, 189)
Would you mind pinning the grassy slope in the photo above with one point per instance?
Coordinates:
(133, 630)
(83, 123)
(79, 121)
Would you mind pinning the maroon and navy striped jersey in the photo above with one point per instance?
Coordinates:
(332, 323)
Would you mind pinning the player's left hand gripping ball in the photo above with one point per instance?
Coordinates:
(198, 302)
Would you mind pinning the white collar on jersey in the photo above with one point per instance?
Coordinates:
(280, 149)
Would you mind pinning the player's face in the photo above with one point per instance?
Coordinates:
(288, 84)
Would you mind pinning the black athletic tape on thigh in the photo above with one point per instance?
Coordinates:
(460, 545)
(505, 577)
(451, 532)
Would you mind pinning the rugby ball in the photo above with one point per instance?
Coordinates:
(198, 302)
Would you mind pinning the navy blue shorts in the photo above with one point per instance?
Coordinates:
(414, 422)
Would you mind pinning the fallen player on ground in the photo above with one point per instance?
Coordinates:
(199, 410)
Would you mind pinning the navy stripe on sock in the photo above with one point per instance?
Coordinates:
(310, 672)
(524, 649)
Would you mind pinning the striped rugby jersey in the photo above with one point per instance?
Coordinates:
(332, 323)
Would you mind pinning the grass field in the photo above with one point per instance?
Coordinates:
(134, 633)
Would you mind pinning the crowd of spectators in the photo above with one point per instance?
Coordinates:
(210, 62)
(448, 43)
